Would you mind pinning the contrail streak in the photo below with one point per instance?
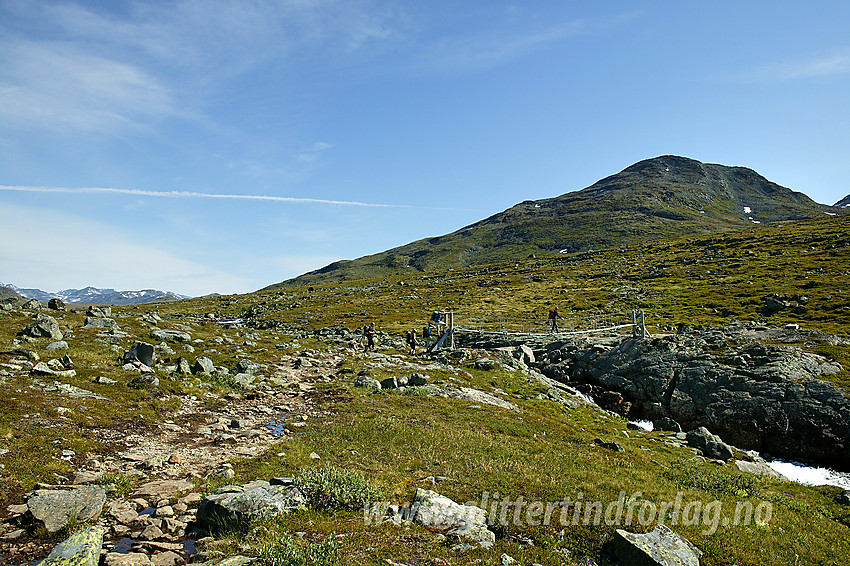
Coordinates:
(191, 194)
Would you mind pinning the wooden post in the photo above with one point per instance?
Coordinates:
(451, 330)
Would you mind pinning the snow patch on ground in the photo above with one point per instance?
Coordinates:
(748, 210)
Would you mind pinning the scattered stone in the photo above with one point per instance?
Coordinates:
(843, 498)
(32, 304)
(43, 369)
(56, 304)
(127, 559)
(666, 424)
(759, 469)
(58, 345)
(45, 326)
(99, 312)
(104, 323)
(389, 383)
(659, 547)
(57, 508)
(439, 513)
(231, 506)
(368, 382)
(164, 489)
(609, 445)
(80, 549)
(71, 390)
(710, 444)
(171, 335)
(141, 352)
(203, 365)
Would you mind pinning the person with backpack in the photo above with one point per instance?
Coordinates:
(428, 336)
(553, 318)
(370, 336)
(411, 341)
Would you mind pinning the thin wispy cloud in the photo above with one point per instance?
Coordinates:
(838, 64)
(55, 85)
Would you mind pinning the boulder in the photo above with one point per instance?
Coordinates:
(389, 383)
(437, 512)
(203, 365)
(140, 352)
(368, 382)
(58, 345)
(233, 506)
(666, 424)
(43, 369)
(183, 367)
(248, 366)
(80, 549)
(659, 547)
(245, 379)
(45, 326)
(102, 323)
(843, 498)
(57, 508)
(56, 304)
(417, 380)
(32, 304)
(170, 335)
(99, 312)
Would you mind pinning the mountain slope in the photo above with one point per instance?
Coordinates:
(844, 202)
(657, 198)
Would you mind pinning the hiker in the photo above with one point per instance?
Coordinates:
(437, 319)
(411, 341)
(428, 336)
(553, 318)
(370, 336)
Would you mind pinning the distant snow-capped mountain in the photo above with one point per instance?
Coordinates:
(843, 202)
(95, 296)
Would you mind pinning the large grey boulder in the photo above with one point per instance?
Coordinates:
(140, 352)
(710, 444)
(99, 312)
(203, 365)
(56, 304)
(232, 506)
(104, 323)
(659, 547)
(437, 512)
(57, 508)
(32, 304)
(80, 549)
(43, 369)
(248, 366)
(45, 326)
(170, 335)
(367, 382)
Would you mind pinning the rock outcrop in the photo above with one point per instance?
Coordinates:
(760, 396)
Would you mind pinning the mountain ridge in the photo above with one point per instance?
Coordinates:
(96, 296)
(656, 198)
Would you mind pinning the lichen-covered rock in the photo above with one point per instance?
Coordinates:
(659, 547)
(439, 513)
(170, 335)
(232, 506)
(105, 323)
(57, 508)
(45, 326)
(80, 549)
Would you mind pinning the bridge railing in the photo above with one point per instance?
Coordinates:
(570, 324)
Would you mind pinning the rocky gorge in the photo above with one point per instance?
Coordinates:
(753, 385)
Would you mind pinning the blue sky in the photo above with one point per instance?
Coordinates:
(221, 146)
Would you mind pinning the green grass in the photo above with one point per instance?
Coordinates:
(390, 442)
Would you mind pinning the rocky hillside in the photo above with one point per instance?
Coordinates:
(844, 202)
(256, 425)
(95, 296)
(657, 198)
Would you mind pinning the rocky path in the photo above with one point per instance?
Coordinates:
(152, 524)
